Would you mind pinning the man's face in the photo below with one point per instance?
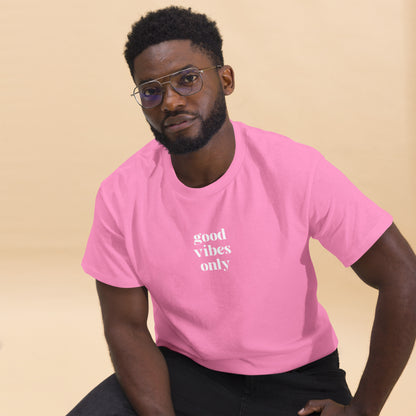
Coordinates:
(182, 124)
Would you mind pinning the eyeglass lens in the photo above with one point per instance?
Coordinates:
(186, 82)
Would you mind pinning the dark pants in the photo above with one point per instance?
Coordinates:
(198, 391)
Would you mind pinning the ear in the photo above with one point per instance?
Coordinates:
(226, 74)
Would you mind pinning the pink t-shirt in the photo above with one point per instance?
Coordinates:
(228, 265)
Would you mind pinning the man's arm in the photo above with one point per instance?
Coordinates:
(390, 267)
(139, 365)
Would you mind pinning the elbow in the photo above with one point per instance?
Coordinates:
(400, 294)
(125, 333)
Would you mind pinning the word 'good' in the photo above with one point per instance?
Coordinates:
(204, 238)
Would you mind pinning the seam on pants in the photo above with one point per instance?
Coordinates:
(246, 393)
(243, 405)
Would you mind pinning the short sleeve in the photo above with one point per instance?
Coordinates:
(106, 257)
(343, 219)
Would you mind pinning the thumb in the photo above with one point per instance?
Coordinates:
(314, 406)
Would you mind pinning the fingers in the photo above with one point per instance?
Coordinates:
(315, 406)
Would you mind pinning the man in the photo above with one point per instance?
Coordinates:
(214, 218)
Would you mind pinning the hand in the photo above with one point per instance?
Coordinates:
(327, 408)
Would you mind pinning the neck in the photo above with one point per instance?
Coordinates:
(206, 165)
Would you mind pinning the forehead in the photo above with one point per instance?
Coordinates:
(167, 57)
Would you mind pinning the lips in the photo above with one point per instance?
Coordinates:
(179, 122)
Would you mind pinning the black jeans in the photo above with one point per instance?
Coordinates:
(199, 391)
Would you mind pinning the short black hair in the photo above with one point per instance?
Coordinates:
(173, 23)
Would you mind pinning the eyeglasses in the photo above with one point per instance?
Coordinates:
(185, 82)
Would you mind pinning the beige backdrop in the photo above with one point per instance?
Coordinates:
(337, 75)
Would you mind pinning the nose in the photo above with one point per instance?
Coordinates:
(171, 100)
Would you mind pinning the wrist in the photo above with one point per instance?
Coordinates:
(362, 409)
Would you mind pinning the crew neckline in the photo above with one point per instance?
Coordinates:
(221, 182)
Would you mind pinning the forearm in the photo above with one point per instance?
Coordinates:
(389, 266)
(142, 372)
(392, 340)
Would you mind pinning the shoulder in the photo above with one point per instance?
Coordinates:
(278, 152)
(135, 170)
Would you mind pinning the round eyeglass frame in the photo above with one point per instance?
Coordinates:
(136, 90)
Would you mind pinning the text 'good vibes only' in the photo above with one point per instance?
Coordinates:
(216, 248)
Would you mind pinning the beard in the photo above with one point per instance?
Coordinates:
(183, 144)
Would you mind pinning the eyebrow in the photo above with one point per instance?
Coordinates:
(164, 76)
